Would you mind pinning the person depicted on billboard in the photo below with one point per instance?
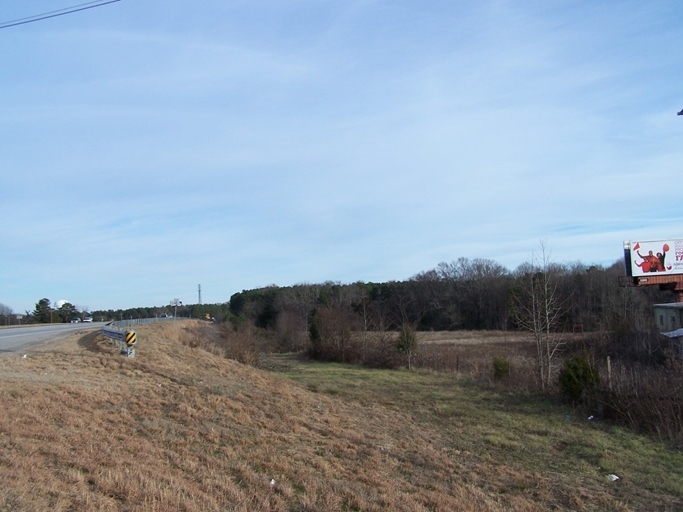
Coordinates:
(660, 261)
(644, 266)
(650, 262)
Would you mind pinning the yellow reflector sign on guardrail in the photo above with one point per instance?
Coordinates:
(131, 338)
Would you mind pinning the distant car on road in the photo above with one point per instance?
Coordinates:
(87, 319)
(75, 320)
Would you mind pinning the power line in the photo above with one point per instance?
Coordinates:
(54, 14)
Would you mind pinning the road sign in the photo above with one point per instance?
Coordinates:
(131, 338)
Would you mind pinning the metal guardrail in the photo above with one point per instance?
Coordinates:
(113, 334)
(123, 324)
(124, 337)
(125, 340)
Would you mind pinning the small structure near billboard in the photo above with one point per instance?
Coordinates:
(656, 262)
(669, 317)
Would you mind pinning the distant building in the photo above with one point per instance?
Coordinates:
(669, 320)
(669, 317)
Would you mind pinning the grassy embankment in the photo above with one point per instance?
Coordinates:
(182, 428)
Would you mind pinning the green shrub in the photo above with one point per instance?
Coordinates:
(501, 367)
(407, 340)
(407, 343)
(577, 375)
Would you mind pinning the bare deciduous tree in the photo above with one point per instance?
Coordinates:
(6, 314)
(538, 310)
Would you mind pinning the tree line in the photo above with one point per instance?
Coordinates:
(217, 312)
(470, 294)
(45, 312)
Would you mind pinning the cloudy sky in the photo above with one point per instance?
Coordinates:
(149, 147)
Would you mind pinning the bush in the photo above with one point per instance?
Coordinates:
(577, 376)
(646, 399)
(330, 336)
(407, 340)
(501, 367)
(407, 343)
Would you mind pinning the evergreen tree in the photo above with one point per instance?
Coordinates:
(43, 311)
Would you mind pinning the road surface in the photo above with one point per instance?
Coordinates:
(13, 339)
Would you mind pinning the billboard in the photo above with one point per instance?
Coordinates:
(656, 257)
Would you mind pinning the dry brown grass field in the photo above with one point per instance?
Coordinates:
(182, 428)
(473, 337)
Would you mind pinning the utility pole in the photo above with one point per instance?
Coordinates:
(199, 289)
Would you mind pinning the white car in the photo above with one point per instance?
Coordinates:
(87, 319)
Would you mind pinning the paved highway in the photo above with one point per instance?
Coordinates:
(15, 338)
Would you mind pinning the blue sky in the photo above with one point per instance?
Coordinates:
(148, 147)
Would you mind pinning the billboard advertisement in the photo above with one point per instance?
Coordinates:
(656, 257)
